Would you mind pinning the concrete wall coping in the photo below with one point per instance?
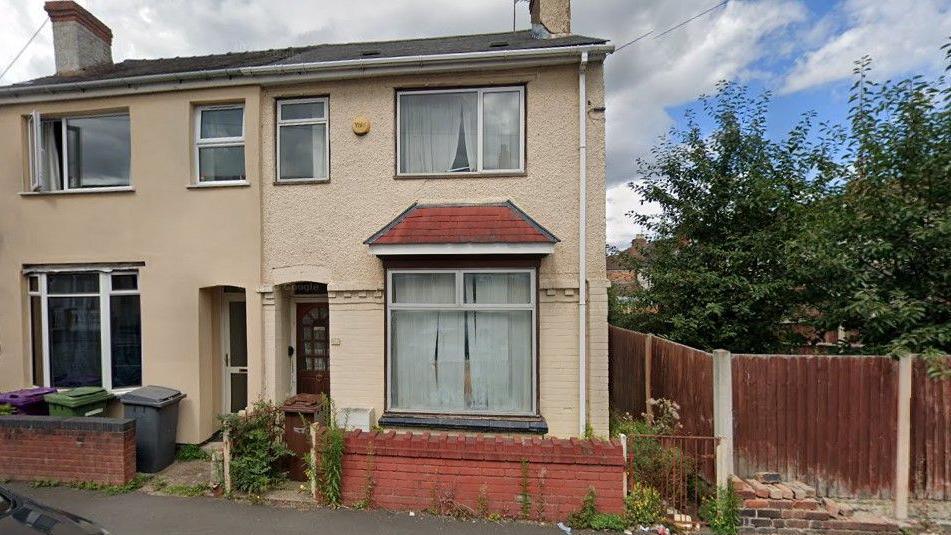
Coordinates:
(77, 423)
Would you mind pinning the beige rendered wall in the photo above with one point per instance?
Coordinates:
(187, 238)
(320, 228)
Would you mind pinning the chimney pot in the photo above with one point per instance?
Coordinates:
(550, 18)
(80, 40)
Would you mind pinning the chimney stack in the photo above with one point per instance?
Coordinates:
(80, 40)
(550, 18)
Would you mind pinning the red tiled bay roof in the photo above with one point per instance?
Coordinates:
(462, 223)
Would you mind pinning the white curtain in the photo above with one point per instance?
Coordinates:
(51, 161)
(438, 132)
(455, 360)
(319, 142)
(502, 130)
(428, 360)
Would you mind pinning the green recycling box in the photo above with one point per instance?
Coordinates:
(81, 401)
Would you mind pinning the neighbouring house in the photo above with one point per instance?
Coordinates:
(621, 274)
(413, 227)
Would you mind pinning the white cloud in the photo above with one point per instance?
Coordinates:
(621, 200)
(900, 37)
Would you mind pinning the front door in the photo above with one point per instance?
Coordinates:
(313, 348)
(234, 345)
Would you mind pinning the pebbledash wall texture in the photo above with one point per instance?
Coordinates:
(315, 232)
(98, 450)
(534, 478)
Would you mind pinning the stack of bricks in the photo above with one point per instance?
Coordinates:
(773, 506)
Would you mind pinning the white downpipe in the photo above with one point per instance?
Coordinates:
(582, 243)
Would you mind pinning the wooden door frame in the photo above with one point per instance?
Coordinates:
(225, 344)
(294, 301)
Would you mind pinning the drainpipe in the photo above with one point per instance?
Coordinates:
(582, 242)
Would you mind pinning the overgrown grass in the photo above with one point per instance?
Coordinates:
(6, 409)
(257, 447)
(191, 452)
(331, 464)
(722, 511)
(588, 516)
(135, 484)
(643, 505)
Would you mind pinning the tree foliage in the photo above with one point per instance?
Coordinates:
(730, 203)
(886, 233)
(831, 226)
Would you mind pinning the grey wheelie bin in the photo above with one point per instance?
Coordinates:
(155, 410)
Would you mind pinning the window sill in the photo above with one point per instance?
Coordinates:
(301, 181)
(222, 184)
(497, 424)
(442, 176)
(83, 191)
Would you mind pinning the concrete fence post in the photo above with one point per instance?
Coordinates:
(622, 438)
(723, 415)
(648, 364)
(903, 436)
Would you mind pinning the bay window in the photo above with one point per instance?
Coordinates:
(86, 329)
(478, 130)
(79, 153)
(461, 341)
(303, 145)
(219, 144)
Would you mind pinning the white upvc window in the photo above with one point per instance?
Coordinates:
(459, 131)
(86, 329)
(79, 153)
(219, 144)
(461, 341)
(303, 140)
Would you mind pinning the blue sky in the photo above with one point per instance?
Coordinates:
(829, 100)
(804, 58)
(801, 50)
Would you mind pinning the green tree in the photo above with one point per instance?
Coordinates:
(883, 241)
(718, 267)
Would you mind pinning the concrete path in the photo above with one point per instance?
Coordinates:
(141, 514)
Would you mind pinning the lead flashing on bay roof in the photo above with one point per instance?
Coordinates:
(425, 249)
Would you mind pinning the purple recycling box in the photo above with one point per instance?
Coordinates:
(28, 400)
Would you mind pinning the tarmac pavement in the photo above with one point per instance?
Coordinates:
(138, 513)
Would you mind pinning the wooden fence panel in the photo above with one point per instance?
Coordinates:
(626, 370)
(930, 435)
(684, 375)
(829, 421)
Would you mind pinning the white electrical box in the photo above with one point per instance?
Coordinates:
(355, 418)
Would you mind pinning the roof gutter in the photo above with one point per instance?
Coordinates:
(273, 74)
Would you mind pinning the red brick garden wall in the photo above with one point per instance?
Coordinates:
(100, 450)
(482, 475)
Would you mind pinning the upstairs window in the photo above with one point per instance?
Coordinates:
(302, 142)
(79, 153)
(219, 144)
(461, 131)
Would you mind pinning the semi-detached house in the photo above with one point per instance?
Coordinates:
(414, 227)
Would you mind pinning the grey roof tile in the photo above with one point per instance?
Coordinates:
(520, 40)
